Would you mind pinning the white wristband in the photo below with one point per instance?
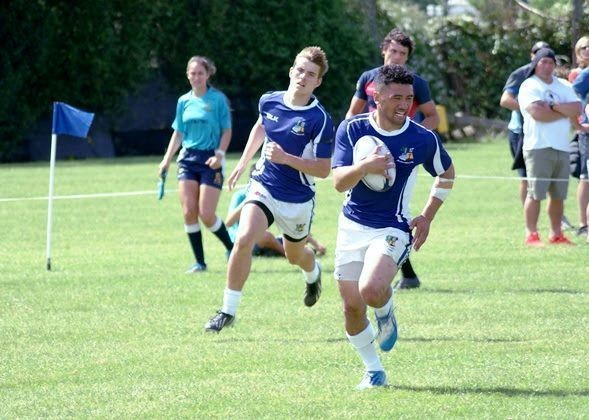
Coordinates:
(220, 152)
(440, 193)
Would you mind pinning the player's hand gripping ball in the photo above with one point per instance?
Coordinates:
(365, 146)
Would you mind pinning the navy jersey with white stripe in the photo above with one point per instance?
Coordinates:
(304, 131)
(411, 145)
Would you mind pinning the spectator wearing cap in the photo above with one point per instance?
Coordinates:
(547, 104)
(515, 131)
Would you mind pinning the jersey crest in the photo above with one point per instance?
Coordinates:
(299, 127)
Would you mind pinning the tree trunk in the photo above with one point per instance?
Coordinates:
(576, 28)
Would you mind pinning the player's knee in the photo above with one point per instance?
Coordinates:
(244, 243)
(190, 212)
(208, 218)
(371, 295)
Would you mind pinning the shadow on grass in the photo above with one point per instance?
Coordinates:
(479, 291)
(345, 340)
(474, 340)
(509, 392)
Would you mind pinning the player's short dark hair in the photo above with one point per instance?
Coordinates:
(400, 38)
(393, 73)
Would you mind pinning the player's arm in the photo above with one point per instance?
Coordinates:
(254, 141)
(346, 177)
(509, 101)
(431, 117)
(357, 105)
(567, 109)
(318, 167)
(546, 112)
(440, 191)
(173, 146)
(216, 161)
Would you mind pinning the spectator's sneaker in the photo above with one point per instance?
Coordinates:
(533, 239)
(197, 268)
(565, 224)
(560, 240)
(408, 283)
(582, 231)
(387, 331)
(373, 379)
(216, 323)
(313, 290)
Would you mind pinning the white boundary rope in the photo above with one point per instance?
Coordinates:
(150, 192)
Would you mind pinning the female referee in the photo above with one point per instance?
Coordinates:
(202, 127)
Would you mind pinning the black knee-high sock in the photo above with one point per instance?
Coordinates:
(407, 269)
(195, 239)
(223, 236)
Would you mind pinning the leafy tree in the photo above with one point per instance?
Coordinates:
(91, 55)
(94, 54)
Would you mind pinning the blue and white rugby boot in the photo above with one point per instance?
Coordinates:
(373, 379)
(387, 331)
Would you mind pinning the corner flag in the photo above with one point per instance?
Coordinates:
(72, 122)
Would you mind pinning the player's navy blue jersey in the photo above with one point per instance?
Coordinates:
(304, 131)
(411, 145)
(365, 90)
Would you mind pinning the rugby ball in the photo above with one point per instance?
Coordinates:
(365, 146)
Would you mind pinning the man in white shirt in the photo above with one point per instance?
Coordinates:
(547, 105)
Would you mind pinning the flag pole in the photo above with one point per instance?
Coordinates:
(50, 198)
(73, 122)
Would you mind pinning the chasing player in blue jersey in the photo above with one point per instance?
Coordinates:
(297, 136)
(375, 230)
(202, 127)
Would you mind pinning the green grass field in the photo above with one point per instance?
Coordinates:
(115, 330)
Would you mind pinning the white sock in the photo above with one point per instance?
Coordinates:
(231, 299)
(216, 225)
(192, 228)
(364, 345)
(312, 276)
(384, 311)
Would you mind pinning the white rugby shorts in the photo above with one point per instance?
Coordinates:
(292, 219)
(354, 240)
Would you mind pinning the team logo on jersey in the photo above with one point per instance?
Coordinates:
(299, 127)
(208, 107)
(272, 117)
(391, 240)
(406, 154)
(300, 227)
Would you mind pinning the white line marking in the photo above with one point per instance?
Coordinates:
(154, 192)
